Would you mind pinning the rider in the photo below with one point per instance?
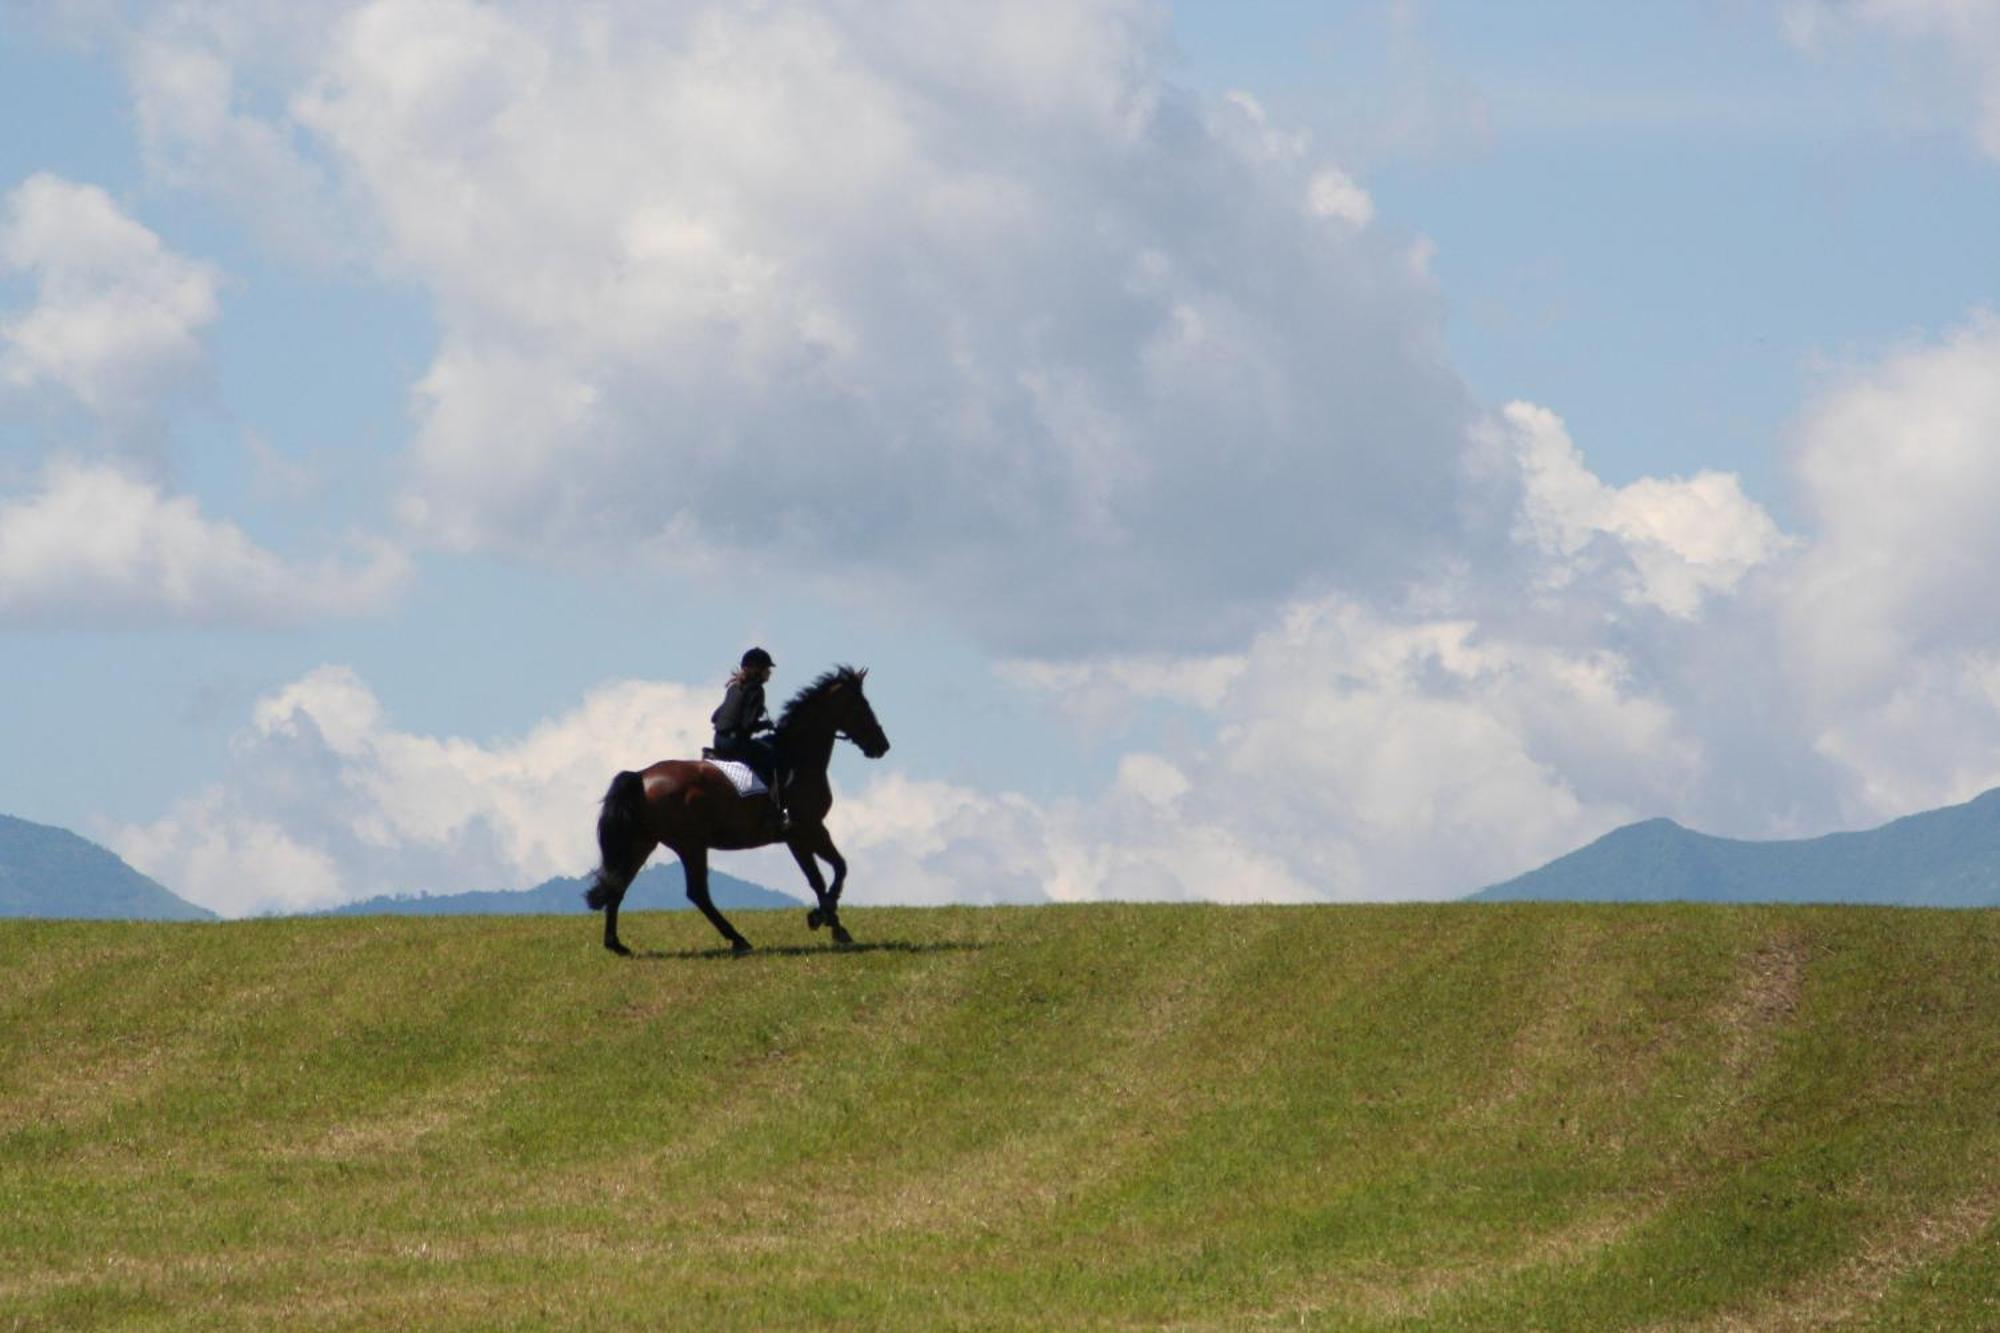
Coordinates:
(741, 718)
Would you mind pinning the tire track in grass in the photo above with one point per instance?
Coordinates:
(1760, 996)
(1852, 1289)
(1185, 1216)
(1123, 1096)
(1762, 1138)
(765, 1055)
(1566, 966)
(959, 1176)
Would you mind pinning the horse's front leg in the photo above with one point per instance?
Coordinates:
(817, 916)
(827, 913)
(824, 849)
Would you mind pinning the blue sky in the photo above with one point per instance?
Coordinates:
(1129, 386)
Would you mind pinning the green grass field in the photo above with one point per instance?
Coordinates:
(1379, 1117)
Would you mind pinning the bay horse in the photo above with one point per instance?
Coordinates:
(689, 807)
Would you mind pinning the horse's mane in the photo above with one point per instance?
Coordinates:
(840, 675)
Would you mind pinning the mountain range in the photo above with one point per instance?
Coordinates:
(1939, 858)
(661, 885)
(53, 873)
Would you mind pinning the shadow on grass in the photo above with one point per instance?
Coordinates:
(801, 950)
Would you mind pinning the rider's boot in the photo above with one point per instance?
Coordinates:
(778, 804)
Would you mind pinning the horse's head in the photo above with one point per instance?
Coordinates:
(836, 705)
(855, 719)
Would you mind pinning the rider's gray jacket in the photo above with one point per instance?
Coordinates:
(741, 712)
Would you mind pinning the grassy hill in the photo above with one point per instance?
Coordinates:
(1457, 1116)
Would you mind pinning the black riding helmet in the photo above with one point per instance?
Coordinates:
(757, 657)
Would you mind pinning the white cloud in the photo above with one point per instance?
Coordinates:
(1358, 754)
(328, 801)
(918, 842)
(1101, 692)
(1392, 757)
(1675, 541)
(1355, 756)
(98, 546)
(229, 861)
(115, 328)
(1963, 34)
(208, 97)
(1152, 778)
(1888, 622)
(931, 298)
(1169, 859)
(1332, 194)
(117, 317)
(1900, 475)
(1930, 738)
(322, 779)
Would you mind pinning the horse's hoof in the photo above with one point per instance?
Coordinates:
(813, 919)
(739, 947)
(840, 935)
(618, 948)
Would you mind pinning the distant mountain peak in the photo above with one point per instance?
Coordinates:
(47, 871)
(1657, 824)
(1936, 858)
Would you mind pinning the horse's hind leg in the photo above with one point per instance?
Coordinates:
(694, 864)
(607, 891)
(623, 843)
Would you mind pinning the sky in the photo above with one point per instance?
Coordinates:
(1262, 451)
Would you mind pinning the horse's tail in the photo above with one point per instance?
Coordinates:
(622, 842)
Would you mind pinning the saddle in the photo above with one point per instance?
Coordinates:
(746, 780)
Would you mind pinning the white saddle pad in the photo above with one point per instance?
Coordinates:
(740, 774)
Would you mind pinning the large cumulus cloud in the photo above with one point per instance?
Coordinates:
(959, 303)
